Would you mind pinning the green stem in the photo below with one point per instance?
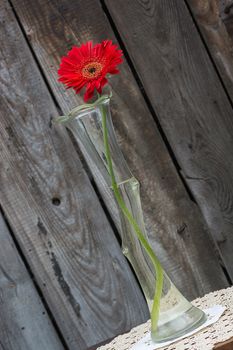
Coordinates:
(133, 223)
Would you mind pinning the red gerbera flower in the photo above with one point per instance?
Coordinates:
(87, 66)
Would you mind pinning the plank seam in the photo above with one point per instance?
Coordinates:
(86, 170)
(153, 113)
(147, 100)
(33, 279)
(209, 54)
(36, 61)
(115, 230)
(82, 159)
(229, 280)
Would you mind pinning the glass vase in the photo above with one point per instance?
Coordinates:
(177, 315)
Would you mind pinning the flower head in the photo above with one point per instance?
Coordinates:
(88, 65)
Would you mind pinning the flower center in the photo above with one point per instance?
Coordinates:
(92, 70)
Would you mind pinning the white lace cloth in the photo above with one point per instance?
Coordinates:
(204, 340)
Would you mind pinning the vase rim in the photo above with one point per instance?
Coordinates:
(79, 111)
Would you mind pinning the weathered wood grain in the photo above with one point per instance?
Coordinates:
(173, 221)
(24, 322)
(226, 345)
(191, 105)
(53, 210)
(213, 23)
(226, 14)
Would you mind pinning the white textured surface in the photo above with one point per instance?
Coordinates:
(213, 314)
(203, 340)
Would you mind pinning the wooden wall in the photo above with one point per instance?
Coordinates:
(172, 110)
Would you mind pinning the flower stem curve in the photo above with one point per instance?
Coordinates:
(156, 264)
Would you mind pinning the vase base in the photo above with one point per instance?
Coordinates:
(179, 326)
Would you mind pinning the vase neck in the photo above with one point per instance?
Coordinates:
(87, 126)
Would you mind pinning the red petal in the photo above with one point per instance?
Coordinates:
(70, 72)
(89, 92)
(114, 71)
(103, 82)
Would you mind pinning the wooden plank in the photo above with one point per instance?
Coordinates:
(53, 210)
(226, 14)
(226, 345)
(216, 27)
(191, 105)
(174, 222)
(24, 322)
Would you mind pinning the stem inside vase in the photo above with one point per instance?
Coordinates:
(131, 220)
(94, 132)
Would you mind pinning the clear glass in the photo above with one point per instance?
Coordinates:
(177, 315)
